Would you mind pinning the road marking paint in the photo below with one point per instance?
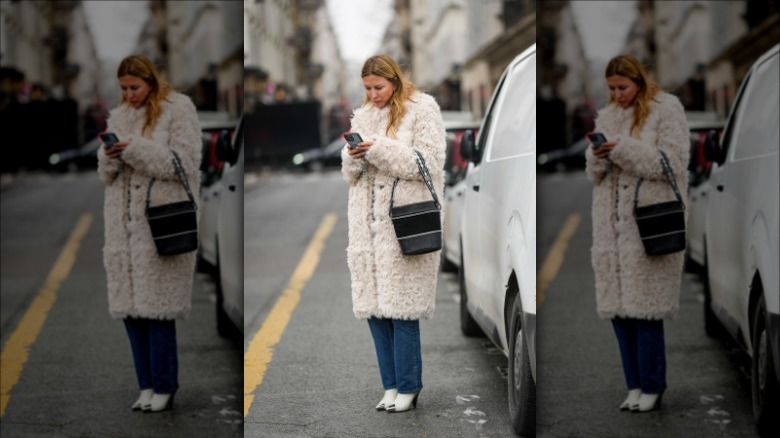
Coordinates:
(16, 351)
(260, 351)
(554, 258)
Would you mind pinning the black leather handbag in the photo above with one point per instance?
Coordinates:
(174, 226)
(418, 226)
(662, 226)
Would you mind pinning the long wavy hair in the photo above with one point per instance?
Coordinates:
(386, 67)
(630, 67)
(142, 67)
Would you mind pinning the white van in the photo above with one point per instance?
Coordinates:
(498, 233)
(742, 232)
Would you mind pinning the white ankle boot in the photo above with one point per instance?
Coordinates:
(403, 402)
(648, 402)
(631, 400)
(143, 400)
(161, 402)
(387, 400)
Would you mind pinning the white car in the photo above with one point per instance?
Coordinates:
(498, 233)
(455, 124)
(742, 233)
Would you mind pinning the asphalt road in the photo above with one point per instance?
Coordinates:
(78, 379)
(323, 380)
(580, 380)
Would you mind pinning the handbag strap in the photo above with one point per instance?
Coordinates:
(426, 177)
(182, 177)
(669, 176)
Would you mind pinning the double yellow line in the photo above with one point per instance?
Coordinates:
(16, 351)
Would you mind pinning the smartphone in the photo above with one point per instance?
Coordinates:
(353, 138)
(597, 139)
(109, 138)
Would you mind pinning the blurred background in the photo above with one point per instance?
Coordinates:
(58, 68)
(697, 50)
(303, 58)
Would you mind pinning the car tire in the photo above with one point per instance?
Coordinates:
(446, 264)
(521, 385)
(468, 325)
(764, 385)
(712, 326)
(225, 326)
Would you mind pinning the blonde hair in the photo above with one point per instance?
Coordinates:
(386, 67)
(142, 67)
(630, 67)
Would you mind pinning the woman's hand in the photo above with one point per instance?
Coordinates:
(116, 151)
(604, 150)
(361, 149)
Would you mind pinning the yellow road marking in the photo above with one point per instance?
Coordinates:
(16, 350)
(260, 351)
(554, 258)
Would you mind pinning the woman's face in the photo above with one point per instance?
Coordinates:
(134, 89)
(622, 89)
(378, 89)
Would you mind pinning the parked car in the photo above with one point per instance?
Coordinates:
(455, 124)
(316, 159)
(213, 126)
(498, 234)
(221, 247)
(742, 233)
(700, 125)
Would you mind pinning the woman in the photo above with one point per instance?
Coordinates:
(146, 290)
(390, 290)
(634, 290)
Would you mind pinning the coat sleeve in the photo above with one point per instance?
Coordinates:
(154, 158)
(397, 158)
(108, 168)
(643, 160)
(352, 168)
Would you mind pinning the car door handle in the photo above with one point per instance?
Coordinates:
(232, 187)
(476, 187)
(719, 187)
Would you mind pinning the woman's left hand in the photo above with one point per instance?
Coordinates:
(361, 149)
(604, 150)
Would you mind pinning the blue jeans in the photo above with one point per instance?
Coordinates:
(397, 345)
(153, 342)
(642, 352)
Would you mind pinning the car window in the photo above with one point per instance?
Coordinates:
(728, 131)
(482, 140)
(758, 133)
(515, 124)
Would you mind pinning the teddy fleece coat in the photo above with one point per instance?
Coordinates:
(385, 283)
(142, 283)
(629, 283)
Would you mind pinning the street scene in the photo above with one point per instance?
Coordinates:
(67, 365)
(310, 367)
(720, 348)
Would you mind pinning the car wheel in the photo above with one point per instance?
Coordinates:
(712, 326)
(225, 326)
(468, 325)
(446, 264)
(763, 380)
(522, 388)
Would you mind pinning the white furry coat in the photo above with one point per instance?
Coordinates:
(140, 282)
(628, 282)
(385, 283)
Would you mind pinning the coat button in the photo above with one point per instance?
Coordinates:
(137, 186)
(381, 186)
